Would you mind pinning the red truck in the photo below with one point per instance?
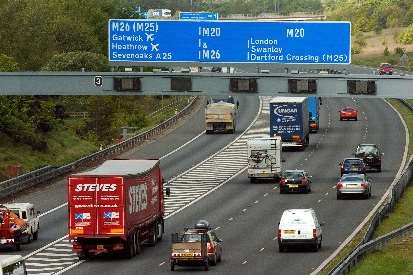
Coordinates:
(11, 229)
(116, 207)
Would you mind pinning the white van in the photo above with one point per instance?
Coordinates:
(12, 265)
(299, 227)
(26, 212)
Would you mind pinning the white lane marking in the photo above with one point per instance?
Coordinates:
(231, 219)
(326, 194)
(53, 260)
(244, 262)
(219, 227)
(334, 187)
(262, 249)
(44, 247)
(48, 264)
(319, 201)
(275, 188)
(256, 201)
(182, 146)
(266, 194)
(244, 210)
(274, 238)
(69, 267)
(52, 210)
(161, 264)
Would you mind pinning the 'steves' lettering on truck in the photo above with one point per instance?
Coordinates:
(95, 187)
(138, 198)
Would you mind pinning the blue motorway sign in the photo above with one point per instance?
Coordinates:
(203, 15)
(163, 41)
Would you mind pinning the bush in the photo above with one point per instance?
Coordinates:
(399, 51)
(76, 61)
(8, 64)
(386, 51)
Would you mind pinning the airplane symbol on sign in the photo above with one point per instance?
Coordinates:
(154, 47)
(149, 37)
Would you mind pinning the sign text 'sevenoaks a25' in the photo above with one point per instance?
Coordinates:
(143, 41)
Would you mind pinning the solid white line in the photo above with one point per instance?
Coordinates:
(231, 219)
(161, 264)
(51, 260)
(183, 145)
(319, 201)
(52, 210)
(262, 249)
(48, 264)
(69, 267)
(361, 225)
(266, 194)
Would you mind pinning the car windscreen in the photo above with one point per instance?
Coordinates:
(351, 178)
(192, 238)
(352, 162)
(369, 150)
(293, 175)
(348, 110)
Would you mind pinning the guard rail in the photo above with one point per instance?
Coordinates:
(12, 186)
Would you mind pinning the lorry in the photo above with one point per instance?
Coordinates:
(116, 207)
(264, 158)
(11, 229)
(289, 119)
(159, 13)
(314, 113)
(220, 115)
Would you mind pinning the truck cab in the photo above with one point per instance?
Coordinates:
(12, 264)
(220, 115)
(26, 212)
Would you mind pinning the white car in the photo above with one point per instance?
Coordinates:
(26, 212)
(299, 227)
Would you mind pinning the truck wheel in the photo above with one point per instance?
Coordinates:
(220, 257)
(338, 196)
(17, 246)
(159, 230)
(214, 260)
(206, 266)
(378, 168)
(252, 180)
(137, 243)
(172, 266)
(281, 248)
(315, 247)
(36, 235)
(153, 235)
(82, 256)
(130, 249)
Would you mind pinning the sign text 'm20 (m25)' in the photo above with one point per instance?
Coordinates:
(143, 41)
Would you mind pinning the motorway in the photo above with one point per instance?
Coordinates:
(245, 214)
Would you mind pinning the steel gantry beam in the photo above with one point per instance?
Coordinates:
(215, 84)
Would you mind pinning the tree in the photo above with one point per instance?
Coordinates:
(406, 37)
(75, 61)
(8, 64)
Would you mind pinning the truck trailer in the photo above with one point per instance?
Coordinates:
(264, 158)
(116, 207)
(289, 119)
(314, 113)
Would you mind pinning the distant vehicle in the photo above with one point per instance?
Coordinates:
(216, 69)
(12, 265)
(314, 113)
(116, 207)
(289, 119)
(370, 154)
(264, 158)
(354, 184)
(198, 245)
(153, 13)
(348, 113)
(385, 68)
(352, 166)
(295, 181)
(299, 227)
(26, 212)
(221, 115)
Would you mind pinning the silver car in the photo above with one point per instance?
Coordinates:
(354, 184)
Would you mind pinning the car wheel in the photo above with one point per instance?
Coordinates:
(172, 266)
(281, 248)
(36, 235)
(206, 266)
(214, 260)
(338, 196)
(341, 119)
(315, 247)
(220, 257)
(252, 180)
(379, 169)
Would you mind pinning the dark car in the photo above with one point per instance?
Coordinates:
(352, 166)
(370, 154)
(295, 181)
